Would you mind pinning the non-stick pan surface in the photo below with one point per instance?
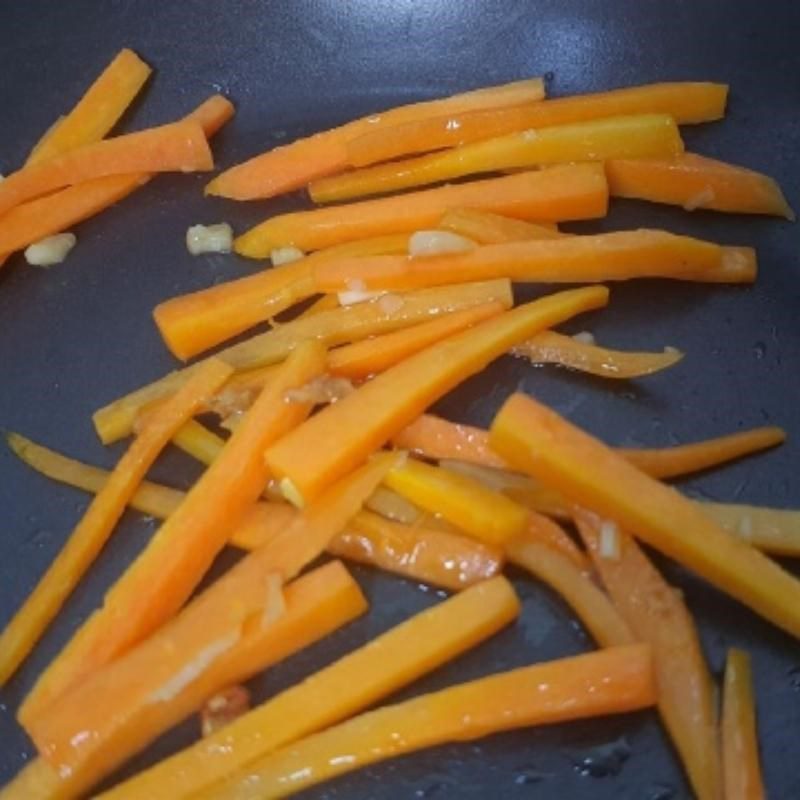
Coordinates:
(80, 334)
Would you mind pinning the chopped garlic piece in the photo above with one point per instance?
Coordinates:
(285, 255)
(584, 337)
(609, 541)
(701, 199)
(223, 708)
(209, 239)
(49, 251)
(390, 304)
(291, 493)
(350, 298)
(434, 243)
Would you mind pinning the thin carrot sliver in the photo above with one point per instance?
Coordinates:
(484, 227)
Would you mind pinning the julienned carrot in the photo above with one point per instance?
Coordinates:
(163, 576)
(487, 516)
(342, 435)
(178, 147)
(644, 136)
(98, 110)
(542, 530)
(192, 323)
(354, 682)
(658, 616)
(484, 227)
(597, 257)
(550, 347)
(199, 442)
(560, 193)
(685, 102)
(92, 532)
(741, 763)
(773, 530)
(171, 674)
(292, 166)
(324, 302)
(611, 681)
(534, 439)
(32, 221)
(337, 326)
(422, 554)
(694, 181)
(576, 588)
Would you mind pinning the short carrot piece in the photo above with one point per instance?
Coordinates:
(385, 664)
(291, 167)
(658, 616)
(687, 103)
(342, 435)
(87, 539)
(484, 227)
(337, 326)
(163, 576)
(644, 136)
(560, 193)
(543, 530)
(536, 440)
(621, 255)
(611, 681)
(694, 181)
(177, 147)
(741, 763)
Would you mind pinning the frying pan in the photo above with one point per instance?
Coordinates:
(81, 334)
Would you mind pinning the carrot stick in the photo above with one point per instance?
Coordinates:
(199, 442)
(658, 616)
(549, 347)
(611, 681)
(487, 516)
(484, 227)
(36, 219)
(644, 136)
(91, 533)
(195, 322)
(559, 193)
(773, 530)
(542, 530)
(536, 440)
(161, 688)
(598, 257)
(96, 113)
(342, 435)
(337, 326)
(694, 181)
(178, 147)
(290, 167)
(325, 302)
(740, 758)
(686, 102)
(163, 576)
(382, 666)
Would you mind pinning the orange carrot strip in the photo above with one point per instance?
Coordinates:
(292, 166)
(484, 227)
(340, 325)
(685, 102)
(534, 439)
(694, 181)
(645, 136)
(773, 530)
(658, 616)
(542, 530)
(178, 147)
(160, 580)
(599, 257)
(342, 435)
(87, 539)
(36, 219)
(611, 681)
(383, 665)
(325, 302)
(741, 763)
(195, 322)
(561, 193)
(98, 110)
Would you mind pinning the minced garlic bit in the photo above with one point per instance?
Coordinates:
(584, 337)
(285, 255)
(609, 541)
(390, 304)
(223, 708)
(49, 251)
(320, 390)
(291, 493)
(209, 239)
(700, 200)
(350, 298)
(434, 243)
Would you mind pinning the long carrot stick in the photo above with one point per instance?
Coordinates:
(484, 227)
(292, 166)
(159, 581)
(611, 681)
(342, 435)
(97, 524)
(534, 439)
(773, 530)
(686, 102)
(359, 679)
(559, 193)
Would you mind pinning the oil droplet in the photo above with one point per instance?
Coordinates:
(529, 775)
(661, 791)
(759, 350)
(794, 678)
(605, 760)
